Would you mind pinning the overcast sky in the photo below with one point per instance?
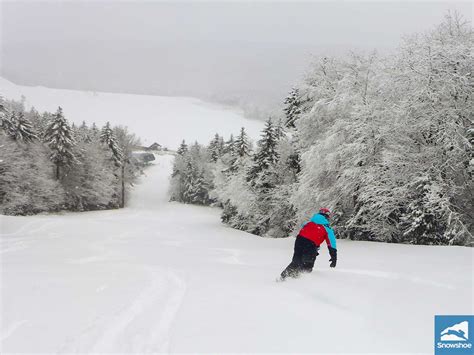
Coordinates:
(195, 48)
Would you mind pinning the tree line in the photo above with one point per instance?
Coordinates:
(47, 164)
(385, 142)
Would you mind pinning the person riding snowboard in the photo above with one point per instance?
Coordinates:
(307, 244)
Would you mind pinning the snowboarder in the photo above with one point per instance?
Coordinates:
(307, 244)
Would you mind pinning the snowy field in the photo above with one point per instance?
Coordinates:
(166, 277)
(162, 119)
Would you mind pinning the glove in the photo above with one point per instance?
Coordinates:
(333, 260)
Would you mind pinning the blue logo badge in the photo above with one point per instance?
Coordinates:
(454, 335)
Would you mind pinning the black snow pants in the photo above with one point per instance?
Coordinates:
(304, 257)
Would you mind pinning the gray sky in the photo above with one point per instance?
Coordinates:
(223, 50)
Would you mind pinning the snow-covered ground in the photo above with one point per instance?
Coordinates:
(166, 277)
(162, 119)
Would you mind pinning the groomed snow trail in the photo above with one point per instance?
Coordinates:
(160, 277)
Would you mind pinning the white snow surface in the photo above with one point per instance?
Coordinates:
(162, 119)
(170, 278)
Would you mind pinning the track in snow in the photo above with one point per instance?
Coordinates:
(166, 277)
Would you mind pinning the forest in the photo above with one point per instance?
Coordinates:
(385, 142)
(49, 165)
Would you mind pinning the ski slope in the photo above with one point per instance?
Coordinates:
(162, 119)
(170, 278)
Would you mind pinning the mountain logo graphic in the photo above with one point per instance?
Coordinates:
(457, 332)
(454, 334)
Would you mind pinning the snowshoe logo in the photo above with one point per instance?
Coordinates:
(456, 332)
(454, 335)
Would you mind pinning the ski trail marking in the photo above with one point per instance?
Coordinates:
(164, 297)
(22, 230)
(160, 337)
(24, 236)
(30, 229)
(108, 340)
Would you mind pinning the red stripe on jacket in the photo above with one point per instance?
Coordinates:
(315, 232)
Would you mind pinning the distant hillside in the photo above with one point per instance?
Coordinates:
(166, 120)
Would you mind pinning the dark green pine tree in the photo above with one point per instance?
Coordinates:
(24, 130)
(59, 138)
(266, 155)
(183, 148)
(294, 162)
(107, 137)
(262, 177)
(292, 108)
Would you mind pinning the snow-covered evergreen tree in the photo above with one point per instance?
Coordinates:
(94, 132)
(192, 177)
(243, 146)
(422, 219)
(233, 191)
(91, 184)
(9, 124)
(279, 130)
(27, 185)
(59, 138)
(24, 130)
(107, 137)
(38, 122)
(241, 151)
(215, 148)
(196, 189)
(88, 179)
(265, 157)
(292, 107)
(229, 146)
(3, 109)
(83, 133)
(42, 124)
(262, 178)
(183, 148)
